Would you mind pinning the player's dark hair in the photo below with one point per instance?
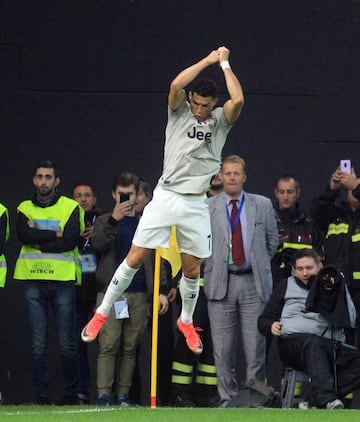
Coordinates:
(205, 88)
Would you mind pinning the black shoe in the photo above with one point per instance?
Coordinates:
(348, 403)
(211, 399)
(123, 400)
(103, 400)
(182, 402)
(68, 400)
(83, 398)
(201, 402)
(42, 401)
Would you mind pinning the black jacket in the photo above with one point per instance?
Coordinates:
(300, 229)
(342, 241)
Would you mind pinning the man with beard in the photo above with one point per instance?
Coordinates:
(49, 226)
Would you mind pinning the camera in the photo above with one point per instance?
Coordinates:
(329, 278)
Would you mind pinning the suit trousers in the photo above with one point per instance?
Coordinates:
(233, 320)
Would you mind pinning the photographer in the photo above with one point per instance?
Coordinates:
(308, 312)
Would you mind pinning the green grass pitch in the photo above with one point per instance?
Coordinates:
(166, 414)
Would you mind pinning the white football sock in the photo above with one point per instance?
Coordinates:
(189, 292)
(118, 284)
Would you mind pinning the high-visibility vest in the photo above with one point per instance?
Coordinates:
(3, 266)
(337, 228)
(32, 264)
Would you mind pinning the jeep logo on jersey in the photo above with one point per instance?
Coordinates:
(42, 268)
(200, 135)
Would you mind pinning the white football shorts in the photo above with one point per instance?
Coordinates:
(190, 215)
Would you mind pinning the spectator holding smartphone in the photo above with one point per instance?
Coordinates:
(120, 336)
(338, 217)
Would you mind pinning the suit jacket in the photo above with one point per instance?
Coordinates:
(263, 241)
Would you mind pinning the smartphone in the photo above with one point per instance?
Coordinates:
(345, 166)
(124, 197)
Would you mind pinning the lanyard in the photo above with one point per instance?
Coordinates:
(237, 217)
(87, 243)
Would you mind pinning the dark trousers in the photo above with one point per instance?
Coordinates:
(83, 313)
(202, 388)
(315, 355)
(85, 306)
(353, 336)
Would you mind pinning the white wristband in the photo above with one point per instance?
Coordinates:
(225, 65)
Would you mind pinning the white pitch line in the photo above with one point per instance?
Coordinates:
(91, 410)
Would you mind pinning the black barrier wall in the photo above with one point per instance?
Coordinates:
(85, 83)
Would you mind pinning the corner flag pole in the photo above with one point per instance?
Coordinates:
(172, 255)
(155, 331)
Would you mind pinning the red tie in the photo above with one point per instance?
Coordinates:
(238, 253)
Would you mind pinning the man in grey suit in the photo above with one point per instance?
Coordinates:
(237, 290)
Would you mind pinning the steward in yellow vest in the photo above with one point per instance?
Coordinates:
(4, 236)
(44, 256)
(49, 227)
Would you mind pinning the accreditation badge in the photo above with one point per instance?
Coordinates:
(88, 262)
(230, 257)
(121, 309)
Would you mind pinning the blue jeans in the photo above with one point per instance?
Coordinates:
(61, 297)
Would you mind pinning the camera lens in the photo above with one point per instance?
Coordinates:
(329, 277)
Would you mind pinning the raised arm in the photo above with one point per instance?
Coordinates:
(177, 93)
(232, 107)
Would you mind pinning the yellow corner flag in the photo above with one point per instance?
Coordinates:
(172, 254)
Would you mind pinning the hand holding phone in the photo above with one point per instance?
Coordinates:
(122, 206)
(283, 236)
(124, 197)
(345, 166)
